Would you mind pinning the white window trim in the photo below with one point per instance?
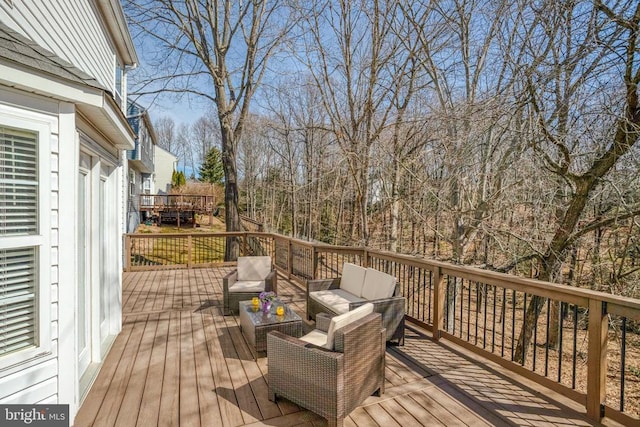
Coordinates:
(43, 126)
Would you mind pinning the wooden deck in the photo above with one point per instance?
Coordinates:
(179, 361)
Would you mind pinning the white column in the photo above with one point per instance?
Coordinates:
(68, 391)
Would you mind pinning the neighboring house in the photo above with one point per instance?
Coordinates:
(140, 163)
(63, 133)
(165, 164)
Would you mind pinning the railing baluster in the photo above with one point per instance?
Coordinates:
(477, 312)
(546, 351)
(513, 322)
(469, 313)
(453, 304)
(524, 327)
(503, 317)
(415, 277)
(623, 360)
(535, 339)
(484, 322)
(446, 306)
(560, 327)
(430, 295)
(462, 306)
(493, 327)
(575, 346)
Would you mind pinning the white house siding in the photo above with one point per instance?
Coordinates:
(50, 376)
(165, 164)
(36, 379)
(74, 31)
(69, 28)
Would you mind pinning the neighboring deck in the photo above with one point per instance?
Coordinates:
(178, 361)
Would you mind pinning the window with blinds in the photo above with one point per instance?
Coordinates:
(18, 217)
(18, 182)
(17, 299)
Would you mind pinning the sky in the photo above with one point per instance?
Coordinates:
(182, 111)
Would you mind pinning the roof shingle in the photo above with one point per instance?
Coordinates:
(18, 48)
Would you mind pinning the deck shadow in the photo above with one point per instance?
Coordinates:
(491, 391)
(234, 345)
(208, 303)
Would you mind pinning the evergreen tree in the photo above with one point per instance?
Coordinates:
(178, 179)
(212, 170)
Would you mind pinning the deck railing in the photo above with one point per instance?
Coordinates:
(584, 344)
(177, 202)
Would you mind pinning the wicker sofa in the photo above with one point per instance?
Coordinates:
(254, 274)
(357, 286)
(333, 378)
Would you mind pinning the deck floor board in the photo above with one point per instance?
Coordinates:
(179, 362)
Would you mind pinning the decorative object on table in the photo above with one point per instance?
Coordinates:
(280, 310)
(255, 326)
(266, 299)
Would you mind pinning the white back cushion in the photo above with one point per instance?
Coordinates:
(352, 278)
(343, 320)
(378, 285)
(253, 267)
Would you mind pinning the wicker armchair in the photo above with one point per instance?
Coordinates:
(392, 309)
(331, 383)
(255, 274)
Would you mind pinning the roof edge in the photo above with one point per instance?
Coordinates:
(117, 25)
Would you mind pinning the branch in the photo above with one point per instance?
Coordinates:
(560, 169)
(599, 224)
(519, 260)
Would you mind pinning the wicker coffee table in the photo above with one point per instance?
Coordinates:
(255, 325)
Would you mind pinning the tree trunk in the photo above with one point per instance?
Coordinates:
(395, 208)
(231, 212)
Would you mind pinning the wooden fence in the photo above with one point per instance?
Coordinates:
(584, 344)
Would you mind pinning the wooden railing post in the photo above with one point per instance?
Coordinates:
(189, 251)
(597, 357)
(439, 291)
(127, 253)
(365, 256)
(314, 254)
(290, 258)
(245, 252)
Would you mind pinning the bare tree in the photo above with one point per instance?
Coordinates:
(583, 43)
(470, 82)
(206, 134)
(349, 49)
(254, 159)
(184, 149)
(164, 128)
(218, 50)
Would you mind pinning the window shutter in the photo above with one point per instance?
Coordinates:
(17, 299)
(18, 182)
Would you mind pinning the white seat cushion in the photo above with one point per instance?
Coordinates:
(247, 286)
(378, 285)
(336, 299)
(316, 337)
(352, 278)
(343, 320)
(253, 267)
